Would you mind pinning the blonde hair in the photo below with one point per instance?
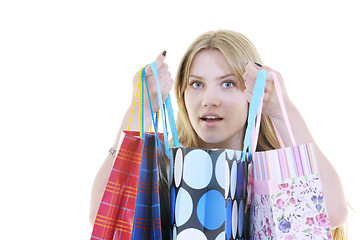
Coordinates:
(238, 50)
(340, 233)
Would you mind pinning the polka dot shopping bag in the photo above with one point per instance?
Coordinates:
(208, 192)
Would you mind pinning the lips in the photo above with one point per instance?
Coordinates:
(210, 117)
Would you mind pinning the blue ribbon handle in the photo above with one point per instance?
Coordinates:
(154, 120)
(253, 109)
(170, 113)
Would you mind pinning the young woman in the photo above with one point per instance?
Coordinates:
(213, 87)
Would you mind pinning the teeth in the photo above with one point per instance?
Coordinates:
(210, 118)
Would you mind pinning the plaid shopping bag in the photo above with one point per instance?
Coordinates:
(148, 221)
(117, 208)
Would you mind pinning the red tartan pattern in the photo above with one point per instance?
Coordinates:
(117, 208)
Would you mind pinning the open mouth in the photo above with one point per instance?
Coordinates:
(211, 119)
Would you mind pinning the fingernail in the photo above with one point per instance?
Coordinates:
(258, 64)
(164, 53)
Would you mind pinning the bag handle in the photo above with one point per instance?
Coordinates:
(151, 108)
(140, 88)
(256, 101)
(255, 133)
(283, 109)
(167, 106)
(163, 106)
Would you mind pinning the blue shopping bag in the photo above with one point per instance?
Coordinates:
(147, 221)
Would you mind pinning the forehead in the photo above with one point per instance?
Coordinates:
(212, 62)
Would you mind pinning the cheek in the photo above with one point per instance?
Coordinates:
(241, 109)
(188, 106)
(186, 100)
(189, 99)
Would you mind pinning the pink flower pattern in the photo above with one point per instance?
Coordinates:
(280, 203)
(322, 220)
(283, 186)
(295, 211)
(310, 221)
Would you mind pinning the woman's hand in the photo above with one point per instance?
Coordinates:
(271, 106)
(166, 83)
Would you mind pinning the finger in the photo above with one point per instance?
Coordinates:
(164, 79)
(250, 75)
(269, 86)
(148, 72)
(269, 77)
(162, 70)
(250, 85)
(166, 88)
(250, 71)
(268, 69)
(159, 61)
(163, 75)
(259, 67)
(248, 95)
(161, 58)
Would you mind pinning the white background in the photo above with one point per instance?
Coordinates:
(66, 69)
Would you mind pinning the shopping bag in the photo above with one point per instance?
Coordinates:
(209, 188)
(131, 204)
(147, 221)
(116, 212)
(287, 198)
(208, 194)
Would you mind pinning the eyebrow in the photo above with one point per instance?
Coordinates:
(219, 78)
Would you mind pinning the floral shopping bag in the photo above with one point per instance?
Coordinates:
(287, 198)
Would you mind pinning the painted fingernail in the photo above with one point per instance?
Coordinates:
(164, 53)
(258, 64)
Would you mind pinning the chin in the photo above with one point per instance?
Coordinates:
(212, 142)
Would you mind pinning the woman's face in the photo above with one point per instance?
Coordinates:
(214, 101)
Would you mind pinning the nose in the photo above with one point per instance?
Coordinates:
(210, 97)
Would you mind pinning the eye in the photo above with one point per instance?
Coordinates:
(196, 84)
(228, 84)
